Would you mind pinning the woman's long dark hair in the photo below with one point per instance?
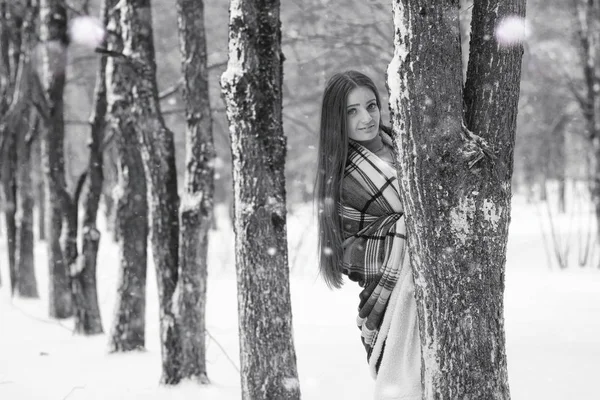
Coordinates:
(332, 154)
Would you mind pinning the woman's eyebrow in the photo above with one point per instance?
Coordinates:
(357, 104)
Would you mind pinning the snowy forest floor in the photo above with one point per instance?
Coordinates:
(552, 327)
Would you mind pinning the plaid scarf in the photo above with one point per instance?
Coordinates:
(374, 235)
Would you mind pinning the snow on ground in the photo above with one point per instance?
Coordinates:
(552, 329)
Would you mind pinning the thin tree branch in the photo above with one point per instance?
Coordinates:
(173, 111)
(170, 90)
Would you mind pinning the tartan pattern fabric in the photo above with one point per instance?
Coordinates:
(374, 235)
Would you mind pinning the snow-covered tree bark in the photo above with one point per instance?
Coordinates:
(25, 260)
(252, 87)
(197, 204)
(456, 186)
(128, 329)
(87, 313)
(28, 129)
(53, 15)
(158, 155)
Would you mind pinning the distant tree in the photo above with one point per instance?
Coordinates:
(128, 329)
(456, 185)
(28, 130)
(25, 260)
(197, 204)
(87, 312)
(587, 13)
(53, 15)
(10, 43)
(143, 115)
(39, 189)
(252, 88)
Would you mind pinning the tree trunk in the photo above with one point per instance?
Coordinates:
(26, 280)
(87, 313)
(111, 181)
(54, 33)
(10, 188)
(40, 193)
(109, 210)
(25, 260)
(560, 165)
(457, 221)
(6, 147)
(158, 155)
(596, 181)
(587, 14)
(128, 329)
(197, 205)
(252, 90)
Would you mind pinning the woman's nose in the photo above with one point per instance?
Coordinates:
(365, 116)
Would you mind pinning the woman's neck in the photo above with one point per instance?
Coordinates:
(374, 145)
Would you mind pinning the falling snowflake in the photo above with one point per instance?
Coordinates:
(272, 251)
(87, 31)
(512, 30)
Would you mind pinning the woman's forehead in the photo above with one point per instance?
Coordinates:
(361, 94)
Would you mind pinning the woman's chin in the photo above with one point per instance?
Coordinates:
(365, 135)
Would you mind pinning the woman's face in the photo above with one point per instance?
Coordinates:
(362, 114)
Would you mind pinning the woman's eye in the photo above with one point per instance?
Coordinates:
(372, 106)
(352, 111)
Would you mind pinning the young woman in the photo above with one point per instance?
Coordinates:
(362, 231)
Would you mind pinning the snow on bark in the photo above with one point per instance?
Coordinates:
(196, 209)
(87, 312)
(158, 155)
(25, 259)
(53, 15)
(252, 90)
(457, 210)
(128, 331)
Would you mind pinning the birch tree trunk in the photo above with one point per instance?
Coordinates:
(251, 86)
(87, 313)
(128, 329)
(158, 155)
(456, 186)
(54, 34)
(197, 206)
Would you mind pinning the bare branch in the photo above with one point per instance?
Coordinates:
(173, 111)
(217, 65)
(38, 97)
(76, 122)
(107, 141)
(168, 92)
(84, 10)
